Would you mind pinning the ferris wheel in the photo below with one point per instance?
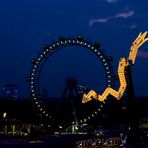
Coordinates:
(48, 51)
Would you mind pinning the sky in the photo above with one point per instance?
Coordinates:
(26, 25)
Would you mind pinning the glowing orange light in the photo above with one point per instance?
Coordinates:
(123, 63)
(135, 45)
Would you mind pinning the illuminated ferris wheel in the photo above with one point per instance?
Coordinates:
(42, 61)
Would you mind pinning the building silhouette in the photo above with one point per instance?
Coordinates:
(10, 91)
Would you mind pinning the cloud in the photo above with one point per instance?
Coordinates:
(133, 26)
(102, 20)
(123, 15)
(111, 1)
(143, 54)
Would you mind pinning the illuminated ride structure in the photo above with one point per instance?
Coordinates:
(122, 70)
(51, 49)
(125, 78)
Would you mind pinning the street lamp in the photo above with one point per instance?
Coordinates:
(4, 115)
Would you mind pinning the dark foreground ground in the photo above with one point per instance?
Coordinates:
(56, 141)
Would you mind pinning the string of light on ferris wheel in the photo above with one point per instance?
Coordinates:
(95, 113)
(48, 49)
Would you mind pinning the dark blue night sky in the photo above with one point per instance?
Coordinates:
(25, 25)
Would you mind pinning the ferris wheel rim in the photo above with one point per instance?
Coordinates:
(52, 48)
